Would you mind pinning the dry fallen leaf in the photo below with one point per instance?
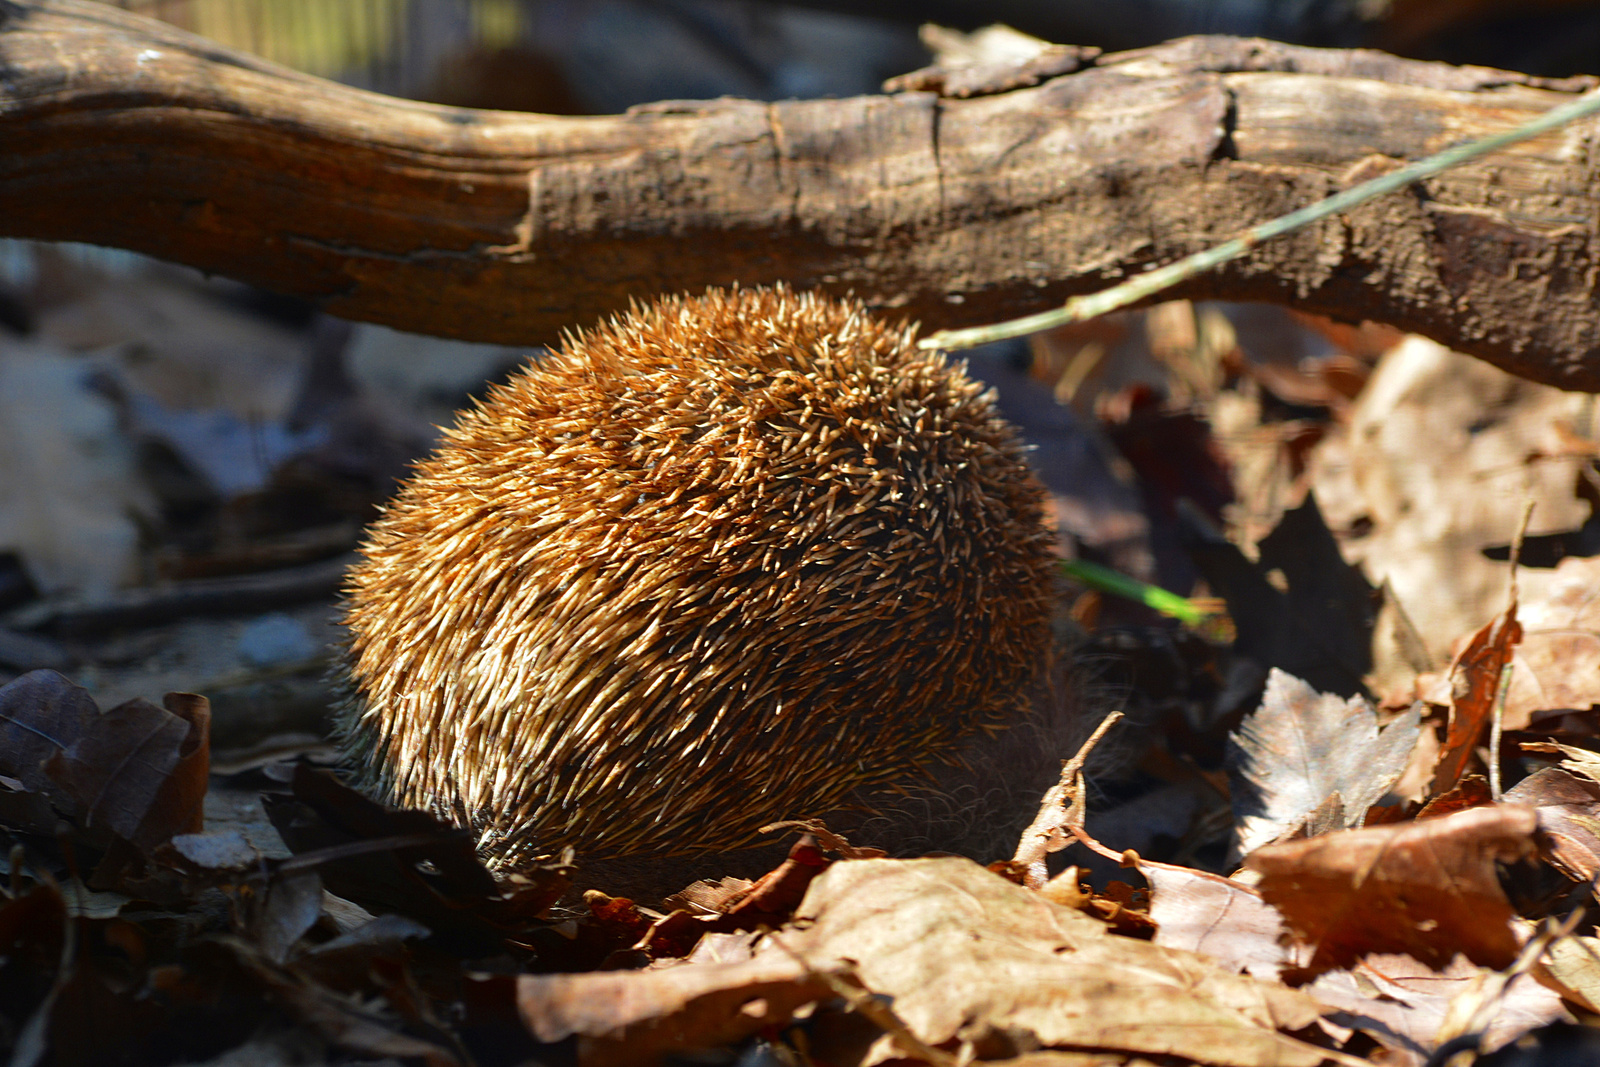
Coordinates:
(1217, 917)
(1568, 806)
(1431, 472)
(137, 771)
(972, 959)
(1302, 748)
(1424, 888)
(622, 1018)
(1402, 1003)
(1558, 662)
(1573, 964)
(1476, 676)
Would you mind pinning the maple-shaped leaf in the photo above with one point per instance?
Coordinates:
(1304, 754)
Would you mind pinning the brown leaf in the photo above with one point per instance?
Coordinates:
(637, 1017)
(969, 957)
(116, 769)
(407, 862)
(179, 807)
(1302, 748)
(1476, 672)
(1471, 792)
(1428, 889)
(1568, 806)
(137, 771)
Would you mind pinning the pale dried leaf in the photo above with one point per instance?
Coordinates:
(1577, 760)
(69, 493)
(1558, 663)
(217, 851)
(967, 956)
(1573, 964)
(1300, 748)
(1401, 1003)
(1431, 471)
(1216, 917)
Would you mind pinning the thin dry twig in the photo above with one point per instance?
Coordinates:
(1497, 721)
(1060, 812)
(1471, 1012)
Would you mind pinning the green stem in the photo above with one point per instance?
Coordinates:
(1107, 580)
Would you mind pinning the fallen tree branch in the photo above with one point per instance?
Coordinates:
(118, 130)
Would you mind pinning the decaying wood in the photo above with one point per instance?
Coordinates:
(500, 227)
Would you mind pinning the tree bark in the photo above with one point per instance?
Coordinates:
(501, 227)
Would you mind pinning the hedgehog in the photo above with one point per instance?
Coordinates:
(720, 561)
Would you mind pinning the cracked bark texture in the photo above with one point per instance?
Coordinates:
(499, 227)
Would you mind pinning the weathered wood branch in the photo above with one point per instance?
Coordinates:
(122, 131)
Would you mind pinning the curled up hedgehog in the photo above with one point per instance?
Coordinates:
(722, 561)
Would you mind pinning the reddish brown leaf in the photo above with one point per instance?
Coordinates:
(1476, 672)
(1428, 889)
(179, 807)
(1471, 792)
(637, 1017)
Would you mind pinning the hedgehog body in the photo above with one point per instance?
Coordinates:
(722, 561)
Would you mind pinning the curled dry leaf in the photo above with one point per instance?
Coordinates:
(1568, 806)
(1302, 749)
(969, 958)
(1424, 888)
(1476, 676)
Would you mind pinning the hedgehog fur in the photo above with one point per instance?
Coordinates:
(721, 561)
